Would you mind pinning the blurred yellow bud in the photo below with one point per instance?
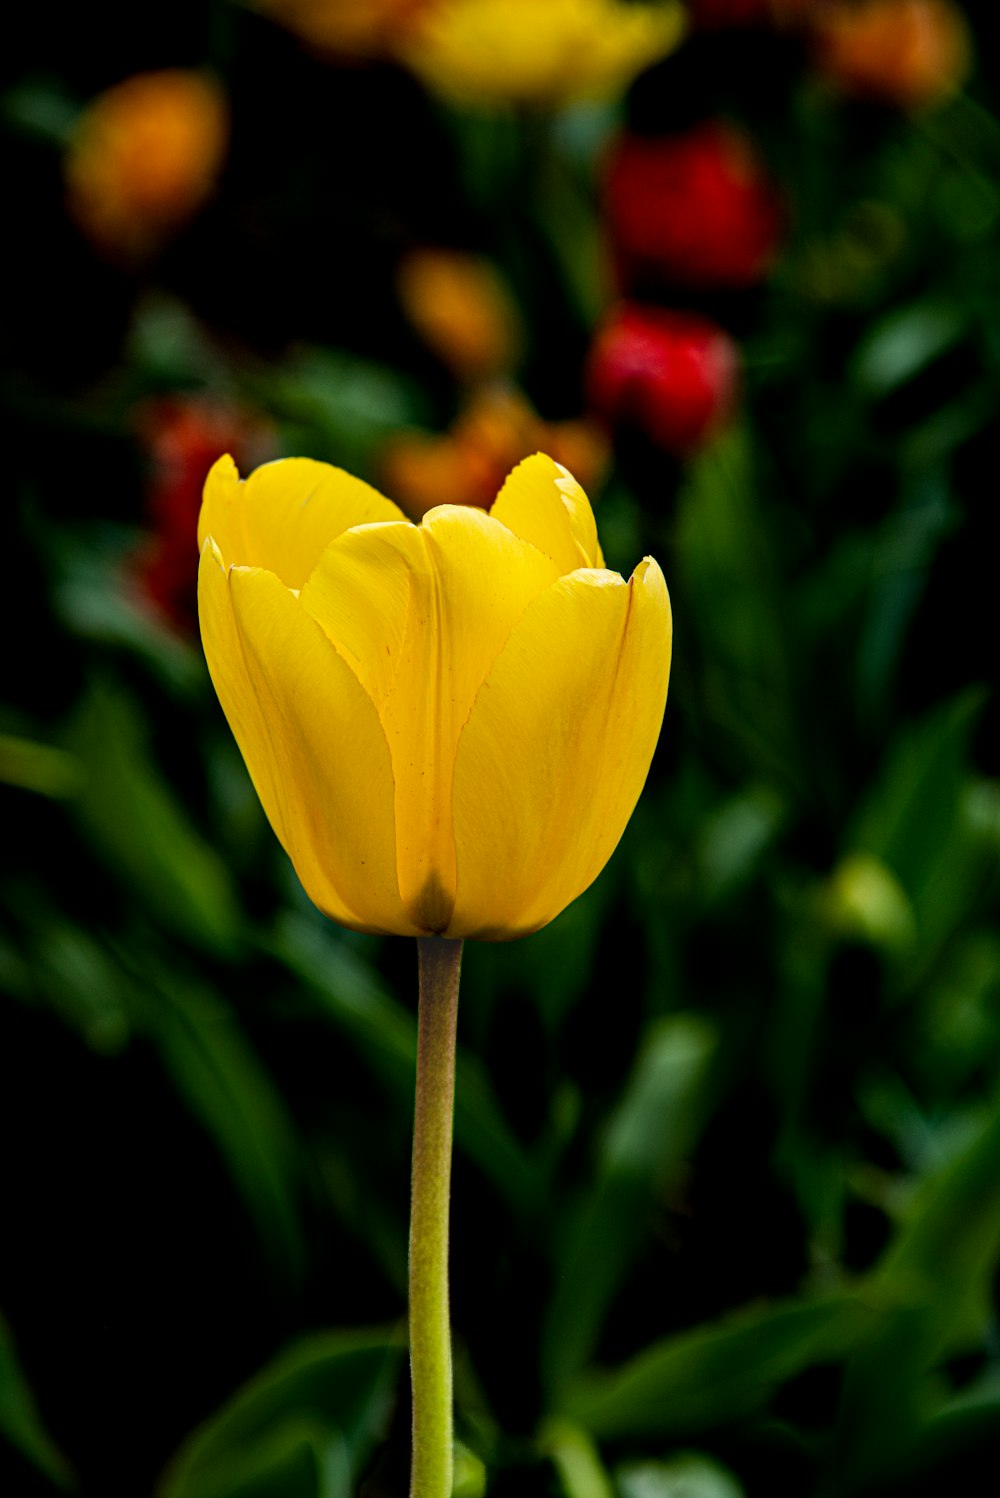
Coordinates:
(543, 52)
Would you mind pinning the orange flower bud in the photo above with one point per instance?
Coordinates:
(910, 53)
(462, 309)
(346, 28)
(144, 157)
(495, 431)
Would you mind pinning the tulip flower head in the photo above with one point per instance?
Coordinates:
(144, 157)
(180, 437)
(466, 465)
(345, 28)
(908, 53)
(693, 209)
(448, 724)
(462, 309)
(537, 52)
(673, 375)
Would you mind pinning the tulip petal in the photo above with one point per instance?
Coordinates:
(312, 742)
(421, 614)
(542, 503)
(557, 747)
(581, 516)
(285, 514)
(359, 595)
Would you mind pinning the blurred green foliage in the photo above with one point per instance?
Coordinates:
(726, 1214)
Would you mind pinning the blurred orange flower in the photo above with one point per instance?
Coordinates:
(345, 28)
(144, 157)
(496, 430)
(910, 53)
(462, 309)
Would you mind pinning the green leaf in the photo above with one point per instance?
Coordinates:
(689, 1475)
(904, 342)
(910, 818)
(342, 407)
(901, 556)
(20, 1421)
(38, 767)
(304, 1427)
(731, 593)
(470, 1474)
(934, 1283)
(82, 982)
(576, 1460)
(718, 1371)
(134, 820)
(219, 1075)
(734, 837)
(944, 1255)
(387, 1035)
(645, 1145)
(92, 601)
(969, 1421)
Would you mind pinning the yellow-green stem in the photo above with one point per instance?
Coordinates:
(430, 1332)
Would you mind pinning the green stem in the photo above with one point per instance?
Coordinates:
(430, 1333)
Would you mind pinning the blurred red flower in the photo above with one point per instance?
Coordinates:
(694, 209)
(182, 436)
(673, 375)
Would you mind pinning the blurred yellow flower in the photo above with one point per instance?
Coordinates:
(486, 52)
(448, 724)
(144, 156)
(462, 309)
(466, 465)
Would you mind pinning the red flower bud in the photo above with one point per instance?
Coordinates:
(673, 375)
(182, 437)
(696, 209)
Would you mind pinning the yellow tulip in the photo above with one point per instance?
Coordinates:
(449, 723)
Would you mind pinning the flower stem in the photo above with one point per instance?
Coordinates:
(430, 1334)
